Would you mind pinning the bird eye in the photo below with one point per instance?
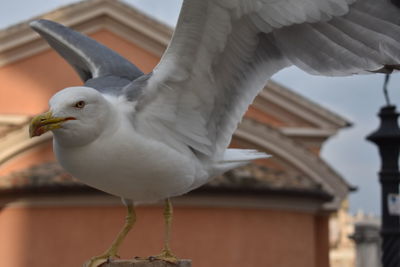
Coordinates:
(80, 104)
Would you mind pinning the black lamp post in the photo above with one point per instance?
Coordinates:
(387, 138)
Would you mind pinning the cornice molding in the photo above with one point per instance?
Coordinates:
(299, 157)
(14, 120)
(307, 132)
(18, 141)
(19, 41)
(192, 200)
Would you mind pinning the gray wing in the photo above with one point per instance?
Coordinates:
(223, 52)
(98, 66)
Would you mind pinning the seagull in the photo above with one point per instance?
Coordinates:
(148, 137)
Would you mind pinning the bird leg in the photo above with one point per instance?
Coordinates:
(166, 253)
(113, 250)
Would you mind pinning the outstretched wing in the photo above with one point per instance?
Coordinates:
(223, 52)
(98, 66)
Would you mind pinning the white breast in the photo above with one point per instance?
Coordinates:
(129, 165)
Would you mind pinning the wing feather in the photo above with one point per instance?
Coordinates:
(223, 52)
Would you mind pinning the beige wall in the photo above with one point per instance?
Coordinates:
(67, 236)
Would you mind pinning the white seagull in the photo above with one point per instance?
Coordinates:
(147, 137)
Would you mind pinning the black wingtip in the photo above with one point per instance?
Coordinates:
(34, 23)
(38, 23)
(396, 3)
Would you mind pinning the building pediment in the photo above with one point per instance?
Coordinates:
(280, 121)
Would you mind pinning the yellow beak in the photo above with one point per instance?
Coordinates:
(45, 122)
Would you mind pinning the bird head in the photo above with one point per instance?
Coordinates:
(76, 116)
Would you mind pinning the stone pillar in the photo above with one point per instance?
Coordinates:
(368, 244)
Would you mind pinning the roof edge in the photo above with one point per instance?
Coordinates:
(19, 41)
(313, 112)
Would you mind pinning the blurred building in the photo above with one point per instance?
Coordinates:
(274, 212)
(343, 249)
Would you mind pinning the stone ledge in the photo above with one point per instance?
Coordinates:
(146, 263)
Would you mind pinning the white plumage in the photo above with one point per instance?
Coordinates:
(102, 147)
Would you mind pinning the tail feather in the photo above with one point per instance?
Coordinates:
(234, 158)
(242, 155)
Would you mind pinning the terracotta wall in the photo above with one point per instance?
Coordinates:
(322, 239)
(27, 85)
(67, 236)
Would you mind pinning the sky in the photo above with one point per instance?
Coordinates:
(357, 98)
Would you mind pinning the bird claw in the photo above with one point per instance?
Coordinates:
(99, 260)
(95, 262)
(166, 256)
